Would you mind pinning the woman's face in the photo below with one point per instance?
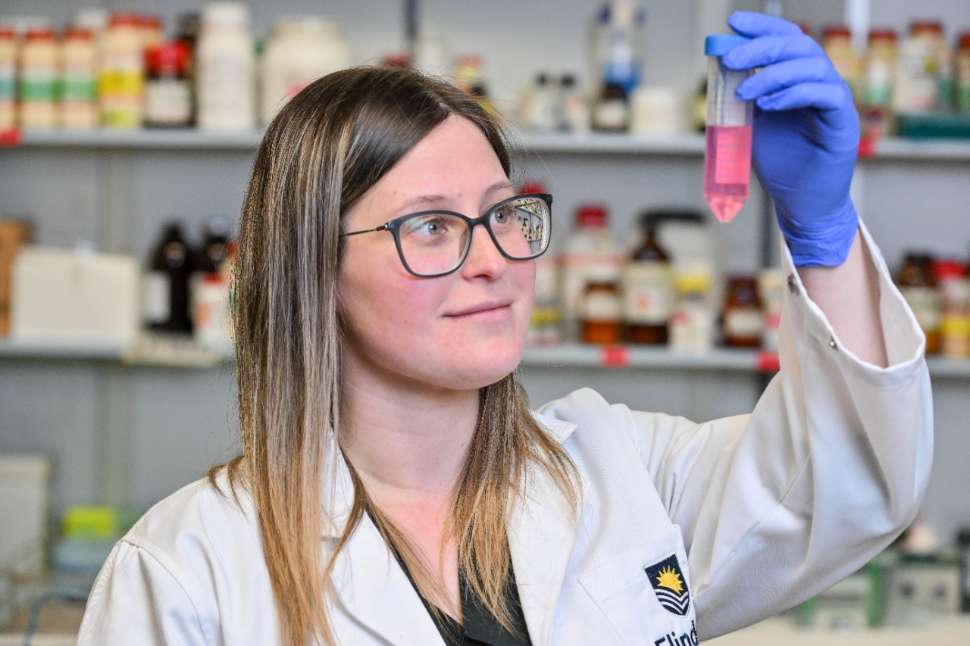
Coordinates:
(414, 328)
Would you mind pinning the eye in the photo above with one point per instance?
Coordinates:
(504, 214)
(428, 226)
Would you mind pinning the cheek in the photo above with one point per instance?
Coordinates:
(384, 305)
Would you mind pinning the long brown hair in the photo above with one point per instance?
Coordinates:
(324, 150)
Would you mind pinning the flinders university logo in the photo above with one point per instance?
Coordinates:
(669, 585)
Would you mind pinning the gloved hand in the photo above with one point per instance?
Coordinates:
(806, 136)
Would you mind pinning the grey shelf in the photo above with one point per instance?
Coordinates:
(147, 351)
(688, 145)
(185, 354)
(642, 358)
(187, 139)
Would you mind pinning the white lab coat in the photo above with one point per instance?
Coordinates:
(758, 513)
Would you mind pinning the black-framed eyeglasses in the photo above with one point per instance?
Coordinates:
(435, 243)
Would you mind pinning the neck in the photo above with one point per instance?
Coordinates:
(408, 442)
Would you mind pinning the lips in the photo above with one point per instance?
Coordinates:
(479, 308)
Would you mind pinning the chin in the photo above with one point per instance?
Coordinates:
(484, 364)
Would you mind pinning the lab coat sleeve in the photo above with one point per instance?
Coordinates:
(140, 599)
(831, 466)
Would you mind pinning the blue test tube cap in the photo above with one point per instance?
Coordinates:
(721, 44)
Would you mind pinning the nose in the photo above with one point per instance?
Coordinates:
(484, 258)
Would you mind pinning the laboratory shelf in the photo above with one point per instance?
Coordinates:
(644, 358)
(609, 144)
(183, 353)
(186, 139)
(895, 149)
(686, 145)
(146, 351)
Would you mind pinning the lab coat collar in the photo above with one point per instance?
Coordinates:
(376, 591)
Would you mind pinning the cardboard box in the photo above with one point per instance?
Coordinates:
(14, 233)
(62, 296)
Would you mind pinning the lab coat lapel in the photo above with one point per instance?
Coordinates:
(367, 579)
(376, 591)
(542, 531)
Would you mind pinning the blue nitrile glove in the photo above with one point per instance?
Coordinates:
(806, 136)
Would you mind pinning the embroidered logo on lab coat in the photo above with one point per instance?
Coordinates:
(669, 585)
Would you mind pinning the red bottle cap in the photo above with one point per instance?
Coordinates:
(171, 57)
(946, 269)
(963, 40)
(882, 34)
(124, 20)
(7, 32)
(932, 26)
(836, 30)
(149, 21)
(78, 33)
(40, 33)
(591, 216)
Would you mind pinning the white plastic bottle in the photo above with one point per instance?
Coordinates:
(300, 51)
(225, 68)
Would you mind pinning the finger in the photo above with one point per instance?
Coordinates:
(771, 49)
(787, 74)
(824, 96)
(753, 24)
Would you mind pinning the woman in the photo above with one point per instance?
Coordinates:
(394, 488)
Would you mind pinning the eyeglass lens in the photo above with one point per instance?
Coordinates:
(434, 243)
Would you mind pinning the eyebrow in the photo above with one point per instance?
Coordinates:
(437, 198)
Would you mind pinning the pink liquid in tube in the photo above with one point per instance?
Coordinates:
(727, 169)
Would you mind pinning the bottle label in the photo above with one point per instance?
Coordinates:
(601, 306)
(39, 85)
(81, 87)
(692, 328)
(743, 322)
(225, 97)
(926, 305)
(120, 83)
(8, 84)
(168, 101)
(879, 84)
(647, 293)
(576, 271)
(611, 114)
(156, 297)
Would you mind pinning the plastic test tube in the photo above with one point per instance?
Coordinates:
(727, 155)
